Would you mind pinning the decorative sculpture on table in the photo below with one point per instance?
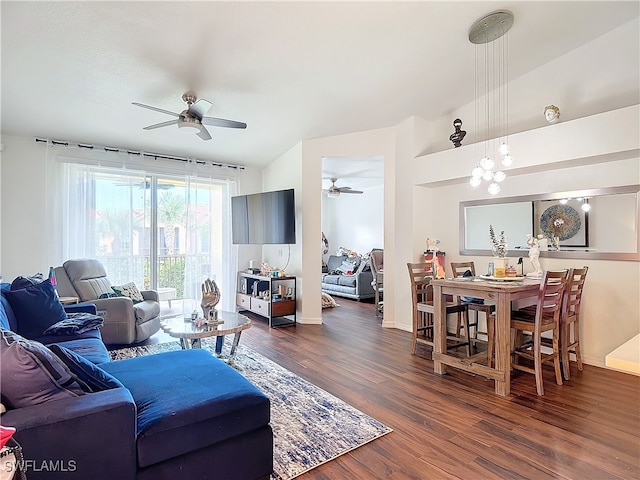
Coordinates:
(534, 256)
(438, 267)
(210, 298)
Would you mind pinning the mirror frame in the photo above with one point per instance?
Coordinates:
(576, 254)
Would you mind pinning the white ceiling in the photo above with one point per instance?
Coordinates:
(355, 172)
(290, 70)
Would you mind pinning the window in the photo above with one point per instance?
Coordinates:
(156, 230)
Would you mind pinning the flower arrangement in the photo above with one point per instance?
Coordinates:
(498, 244)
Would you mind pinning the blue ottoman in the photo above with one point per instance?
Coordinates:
(188, 400)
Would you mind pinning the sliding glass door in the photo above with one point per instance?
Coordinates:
(164, 232)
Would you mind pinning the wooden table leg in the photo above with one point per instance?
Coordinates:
(439, 329)
(503, 343)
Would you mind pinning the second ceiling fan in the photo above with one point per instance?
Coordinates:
(333, 191)
(193, 117)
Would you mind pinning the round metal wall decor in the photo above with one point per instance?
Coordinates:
(560, 221)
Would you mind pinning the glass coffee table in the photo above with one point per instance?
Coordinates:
(190, 334)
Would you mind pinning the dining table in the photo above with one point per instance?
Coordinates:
(499, 291)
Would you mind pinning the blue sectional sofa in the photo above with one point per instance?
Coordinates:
(174, 415)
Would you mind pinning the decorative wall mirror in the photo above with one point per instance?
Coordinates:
(598, 224)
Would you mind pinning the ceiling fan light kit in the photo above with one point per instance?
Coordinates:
(188, 127)
(192, 119)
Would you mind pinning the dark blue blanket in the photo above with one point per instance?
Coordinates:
(75, 323)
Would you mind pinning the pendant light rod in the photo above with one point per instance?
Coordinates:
(483, 34)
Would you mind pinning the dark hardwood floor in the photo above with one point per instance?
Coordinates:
(454, 426)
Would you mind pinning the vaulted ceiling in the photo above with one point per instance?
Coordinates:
(290, 70)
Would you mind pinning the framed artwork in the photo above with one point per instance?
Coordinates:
(568, 222)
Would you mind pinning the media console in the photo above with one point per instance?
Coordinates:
(271, 297)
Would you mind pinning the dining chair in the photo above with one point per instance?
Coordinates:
(461, 269)
(421, 275)
(377, 269)
(545, 318)
(570, 320)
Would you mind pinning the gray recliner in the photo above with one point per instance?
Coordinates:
(124, 321)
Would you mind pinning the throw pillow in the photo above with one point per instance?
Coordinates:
(36, 308)
(24, 282)
(30, 374)
(93, 376)
(129, 290)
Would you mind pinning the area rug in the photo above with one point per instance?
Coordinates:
(310, 426)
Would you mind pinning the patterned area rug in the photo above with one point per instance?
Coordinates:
(310, 426)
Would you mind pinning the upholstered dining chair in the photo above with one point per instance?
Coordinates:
(461, 269)
(545, 318)
(421, 275)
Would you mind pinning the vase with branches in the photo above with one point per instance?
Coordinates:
(498, 243)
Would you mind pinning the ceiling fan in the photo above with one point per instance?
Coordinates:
(334, 192)
(193, 118)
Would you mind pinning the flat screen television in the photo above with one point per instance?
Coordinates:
(264, 218)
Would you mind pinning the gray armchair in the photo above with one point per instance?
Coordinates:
(124, 321)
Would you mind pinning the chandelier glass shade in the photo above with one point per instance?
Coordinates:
(491, 40)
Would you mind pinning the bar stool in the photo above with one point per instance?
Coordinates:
(461, 269)
(570, 320)
(546, 318)
(420, 275)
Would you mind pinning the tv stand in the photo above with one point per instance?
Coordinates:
(271, 297)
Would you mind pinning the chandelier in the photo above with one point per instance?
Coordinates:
(491, 84)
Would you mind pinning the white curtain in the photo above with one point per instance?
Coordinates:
(107, 213)
(208, 249)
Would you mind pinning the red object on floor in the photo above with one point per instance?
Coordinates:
(5, 434)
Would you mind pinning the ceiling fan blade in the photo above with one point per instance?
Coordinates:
(163, 124)
(221, 122)
(203, 133)
(199, 108)
(344, 188)
(155, 109)
(350, 191)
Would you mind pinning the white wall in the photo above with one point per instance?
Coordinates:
(284, 173)
(1, 150)
(29, 218)
(26, 230)
(611, 305)
(372, 143)
(599, 76)
(354, 221)
(422, 196)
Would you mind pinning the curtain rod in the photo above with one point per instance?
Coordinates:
(155, 156)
